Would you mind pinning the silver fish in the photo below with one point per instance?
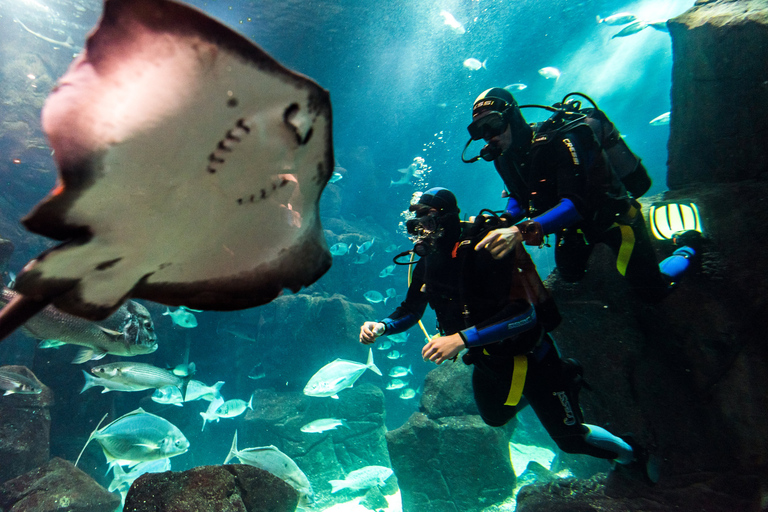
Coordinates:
(340, 249)
(373, 296)
(661, 120)
(363, 478)
(108, 385)
(407, 394)
(400, 371)
(168, 395)
(138, 437)
(632, 28)
(366, 245)
(396, 384)
(123, 480)
(323, 425)
(269, 458)
(410, 173)
(474, 64)
(182, 317)
(197, 390)
(13, 383)
(233, 408)
(210, 413)
(127, 332)
(139, 375)
(337, 375)
(621, 18)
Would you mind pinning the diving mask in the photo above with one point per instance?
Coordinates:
(424, 229)
(488, 126)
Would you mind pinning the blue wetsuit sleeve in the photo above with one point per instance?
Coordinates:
(564, 214)
(514, 209)
(412, 308)
(495, 329)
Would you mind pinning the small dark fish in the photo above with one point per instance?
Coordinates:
(129, 331)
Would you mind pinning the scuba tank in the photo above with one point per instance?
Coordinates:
(625, 164)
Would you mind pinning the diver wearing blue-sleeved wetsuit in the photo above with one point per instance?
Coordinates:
(501, 312)
(562, 182)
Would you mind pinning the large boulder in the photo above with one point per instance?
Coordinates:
(57, 485)
(278, 417)
(25, 428)
(230, 488)
(719, 100)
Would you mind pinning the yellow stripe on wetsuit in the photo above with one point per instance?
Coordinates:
(627, 243)
(518, 380)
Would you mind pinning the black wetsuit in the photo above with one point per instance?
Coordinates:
(569, 168)
(481, 297)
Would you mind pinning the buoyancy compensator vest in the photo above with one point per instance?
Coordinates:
(625, 164)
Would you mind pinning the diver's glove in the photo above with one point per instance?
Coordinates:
(370, 331)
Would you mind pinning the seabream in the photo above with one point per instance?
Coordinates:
(337, 375)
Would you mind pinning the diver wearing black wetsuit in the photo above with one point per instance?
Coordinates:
(563, 183)
(500, 311)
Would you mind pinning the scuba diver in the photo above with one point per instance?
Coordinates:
(560, 176)
(501, 312)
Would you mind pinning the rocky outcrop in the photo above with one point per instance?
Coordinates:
(25, 428)
(57, 485)
(465, 462)
(230, 488)
(718, 124)
(277, 419)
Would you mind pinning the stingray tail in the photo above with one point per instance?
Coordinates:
(16, 313)
(90, 437)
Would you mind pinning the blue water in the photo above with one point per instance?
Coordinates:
(399, 90)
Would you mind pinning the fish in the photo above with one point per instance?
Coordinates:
(410, 173)
(366, 245)
(197, 390)
(127, 332)
(340, 249)
(396, 384)
(408, 393)
(69, 43)
(475, 64)
(226, 221)
(184, 369)
(270, 458)
(12, 383)
(233, 408)
(660, 25)
(337, 375)
(169, 395)
(516, 87)
(92, 381)
(257, 372)
(387, 271)
(632, 28)
(50, 344)
(182, 317)
(400, 337)
(550, 72)
(449, 20)
(362, 258)
(373, 296)
(336, 176)
(391, 294)
(384, 345)
(661, 120)
(363, 478)
(122, 480)
(391, 248)
(323, 425)
(210, 412)
(621, 18)
(241, 330)
(400, 371)
(137, 437)
(139, 375)
(395, 355)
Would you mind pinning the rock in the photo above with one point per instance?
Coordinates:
(25, 428)
(448, 391)
(230, 488)
(321, 456)
(705, 492)
(718, 94)
(57, 485)
(464, 462)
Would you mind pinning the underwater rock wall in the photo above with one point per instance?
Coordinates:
(719, 93)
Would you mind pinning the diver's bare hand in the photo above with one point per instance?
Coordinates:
(442, 348)
(370, 331)
(500, 242)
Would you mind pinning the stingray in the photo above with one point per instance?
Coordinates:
(190, 167)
